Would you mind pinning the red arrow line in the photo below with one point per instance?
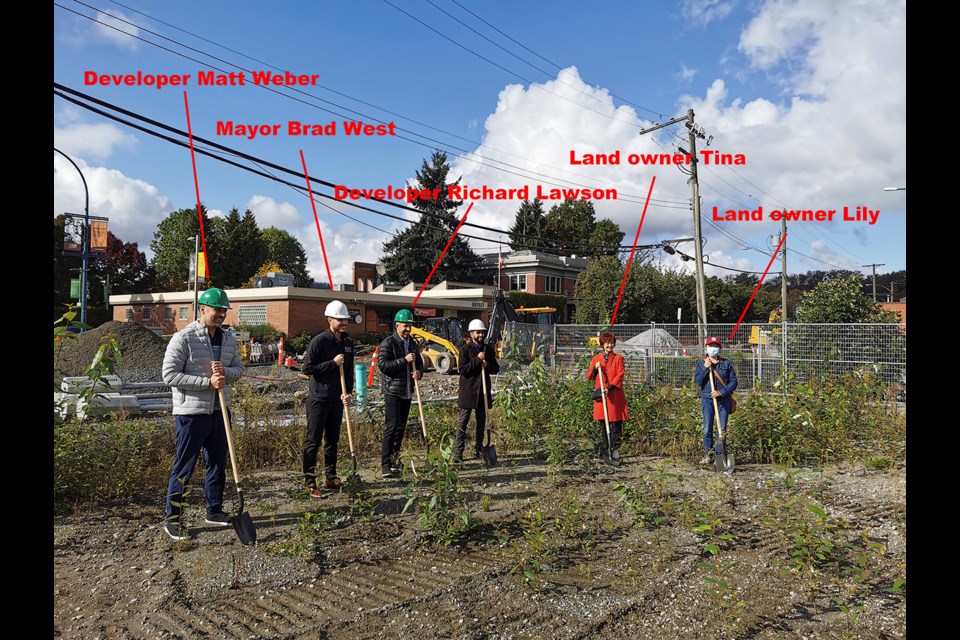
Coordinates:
(634, 248)
(196, 184)
(323, 249)
(442, 253)
(757, 288)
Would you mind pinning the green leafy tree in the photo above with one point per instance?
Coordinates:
(172, 247)
(569, 225)
(841, 300)
(529, 227)
(287, 252)
(605, 238)
(596, 290)
(123, 263)
(409, 256)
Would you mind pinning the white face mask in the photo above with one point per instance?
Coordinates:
(713, 352)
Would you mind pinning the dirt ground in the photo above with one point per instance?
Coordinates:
(603, 573)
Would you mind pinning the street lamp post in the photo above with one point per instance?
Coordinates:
(85, 239)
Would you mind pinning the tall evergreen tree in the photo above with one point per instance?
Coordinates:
(529, 227)
(410, 255)
(240, 251)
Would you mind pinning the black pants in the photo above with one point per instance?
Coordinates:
(481, 412)
(616, 435)
(323, 422)
(398, 410)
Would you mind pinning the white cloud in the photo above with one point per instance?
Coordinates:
(836, 140)
(703, 12)
(110, 29)
(345, 242)
(134, 207)
(96, 141)
(686, 73)
(270, 213)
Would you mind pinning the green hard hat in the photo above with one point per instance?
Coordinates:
(214, 298)
(403, 315)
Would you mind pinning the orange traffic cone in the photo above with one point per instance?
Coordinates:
(373, 365)
(280, 354)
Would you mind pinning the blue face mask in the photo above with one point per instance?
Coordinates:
(713, 352)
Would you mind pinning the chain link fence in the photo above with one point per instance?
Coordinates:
(666, 353)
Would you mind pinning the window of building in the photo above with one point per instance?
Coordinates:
(384, 318)
(518, 282)
(250, 314)
(168, 314)
(183, 312)
(553, 284)
(129, 313)
(145, 314)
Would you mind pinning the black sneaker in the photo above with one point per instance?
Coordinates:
(175, 531)
(388, 472)
(221, 518)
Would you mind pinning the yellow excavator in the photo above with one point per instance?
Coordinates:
(440, 338)
(758, 338)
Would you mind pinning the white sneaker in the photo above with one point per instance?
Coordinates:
(707, 459)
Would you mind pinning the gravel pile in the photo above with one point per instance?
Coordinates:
(141, 349)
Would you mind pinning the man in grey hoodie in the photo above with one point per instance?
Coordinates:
(200, 360)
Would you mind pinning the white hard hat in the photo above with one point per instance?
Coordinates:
(476, 325)
(337, 309)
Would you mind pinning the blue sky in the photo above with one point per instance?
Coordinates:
(812, 93)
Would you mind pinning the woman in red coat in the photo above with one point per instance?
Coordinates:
(611, 364)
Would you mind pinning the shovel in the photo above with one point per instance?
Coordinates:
(423, 423)
(723, 462)
(490, 450)
(605, 451)
(346, 411)
(242, 522)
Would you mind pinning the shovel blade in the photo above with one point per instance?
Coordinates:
(243, 525)
(724, 462)
(608, 459)
(490, 455)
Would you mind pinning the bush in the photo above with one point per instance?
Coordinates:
(263, 332)
(116, 458)
(299, 342)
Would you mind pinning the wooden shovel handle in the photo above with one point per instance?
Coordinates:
(346, 408)
(423, 424)
(603, 399)
(716, 412)
(226, 427)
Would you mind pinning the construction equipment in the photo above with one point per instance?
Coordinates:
(440, 338)
(761, 336)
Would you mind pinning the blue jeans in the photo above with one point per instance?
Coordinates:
(193, 433)
(723, 404)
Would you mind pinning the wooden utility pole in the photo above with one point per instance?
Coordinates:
(694, 133)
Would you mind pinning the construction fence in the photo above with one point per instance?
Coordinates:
(665, 353)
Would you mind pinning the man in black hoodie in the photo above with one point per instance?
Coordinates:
(400, 363)
(326, 354)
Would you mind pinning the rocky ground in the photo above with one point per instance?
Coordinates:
(657, 548)
(352, 566)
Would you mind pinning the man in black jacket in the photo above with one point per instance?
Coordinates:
(476, 359)
(400, 363)
(326, 354)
